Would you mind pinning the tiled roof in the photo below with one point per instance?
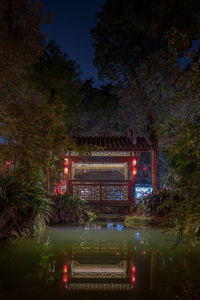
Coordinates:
(115, 143)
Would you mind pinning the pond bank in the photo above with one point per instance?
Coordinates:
(191, 225)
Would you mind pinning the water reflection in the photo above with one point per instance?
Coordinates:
(99, 265)
(99, 261)
(105, 258)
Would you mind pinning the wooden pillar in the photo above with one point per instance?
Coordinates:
(132, 188)
(154, 169)
(68, 175)
(133, 191)
(72, 172)
(126, 171)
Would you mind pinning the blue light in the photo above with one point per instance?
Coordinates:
(119, 227)
(137, 235)
(110, 226)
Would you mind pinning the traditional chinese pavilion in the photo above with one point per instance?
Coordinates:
(108, 176)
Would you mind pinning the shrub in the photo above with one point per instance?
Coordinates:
(23, 205)
(161, 203)
(70, 209)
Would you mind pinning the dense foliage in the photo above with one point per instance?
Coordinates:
(24, 206)
(43, 101)
(154, 59)
(172, 208)
(100, 111)
(66, 209)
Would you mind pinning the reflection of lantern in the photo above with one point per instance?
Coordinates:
(134, 171)
(66, 161)
(133, 278)
(66, 170)
(65, 278)
(133, 269)
(134, 162)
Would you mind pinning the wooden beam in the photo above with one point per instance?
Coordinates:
(110, 203)
(103, 159)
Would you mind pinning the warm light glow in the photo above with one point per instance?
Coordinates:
(65, 278)
(65, 269)
(117, 253)
(133, 278)
(134, 171)
(8, 163)
(66, 161)
(133, 269)
(134, 162)
(144, 252)
(66, 170)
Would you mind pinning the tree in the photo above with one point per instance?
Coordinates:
(127, 38)
(21, 43)
(57, 78)
(126, 34)
(42, 111)
(99, 107)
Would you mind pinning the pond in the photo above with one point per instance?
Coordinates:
(100, 262)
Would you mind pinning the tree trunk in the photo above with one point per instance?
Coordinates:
(48, 180)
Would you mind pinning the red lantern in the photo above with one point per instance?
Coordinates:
(134, 171)
(144, 252)
(134, 162)
(66, 161)
(66, 170)
(65, 269)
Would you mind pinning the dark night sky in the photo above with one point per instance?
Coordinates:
(70, 28)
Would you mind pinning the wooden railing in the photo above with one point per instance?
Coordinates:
(102, 191)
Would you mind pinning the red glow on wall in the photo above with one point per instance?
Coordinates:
(134, 162)
(134, 171)
(65, 278)
(65, 269)
(59, 187)
(133, 278)
(66, 170)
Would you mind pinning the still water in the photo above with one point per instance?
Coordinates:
(100, 262)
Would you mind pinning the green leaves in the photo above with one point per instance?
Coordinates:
(41, 110)
(23, 195)
(67, 209)
(23, 205)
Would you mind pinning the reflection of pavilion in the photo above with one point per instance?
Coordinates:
(79, 270)
(100, 247)
(86, 272)
(99, 286)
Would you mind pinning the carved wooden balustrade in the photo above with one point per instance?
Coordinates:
(102, 191)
